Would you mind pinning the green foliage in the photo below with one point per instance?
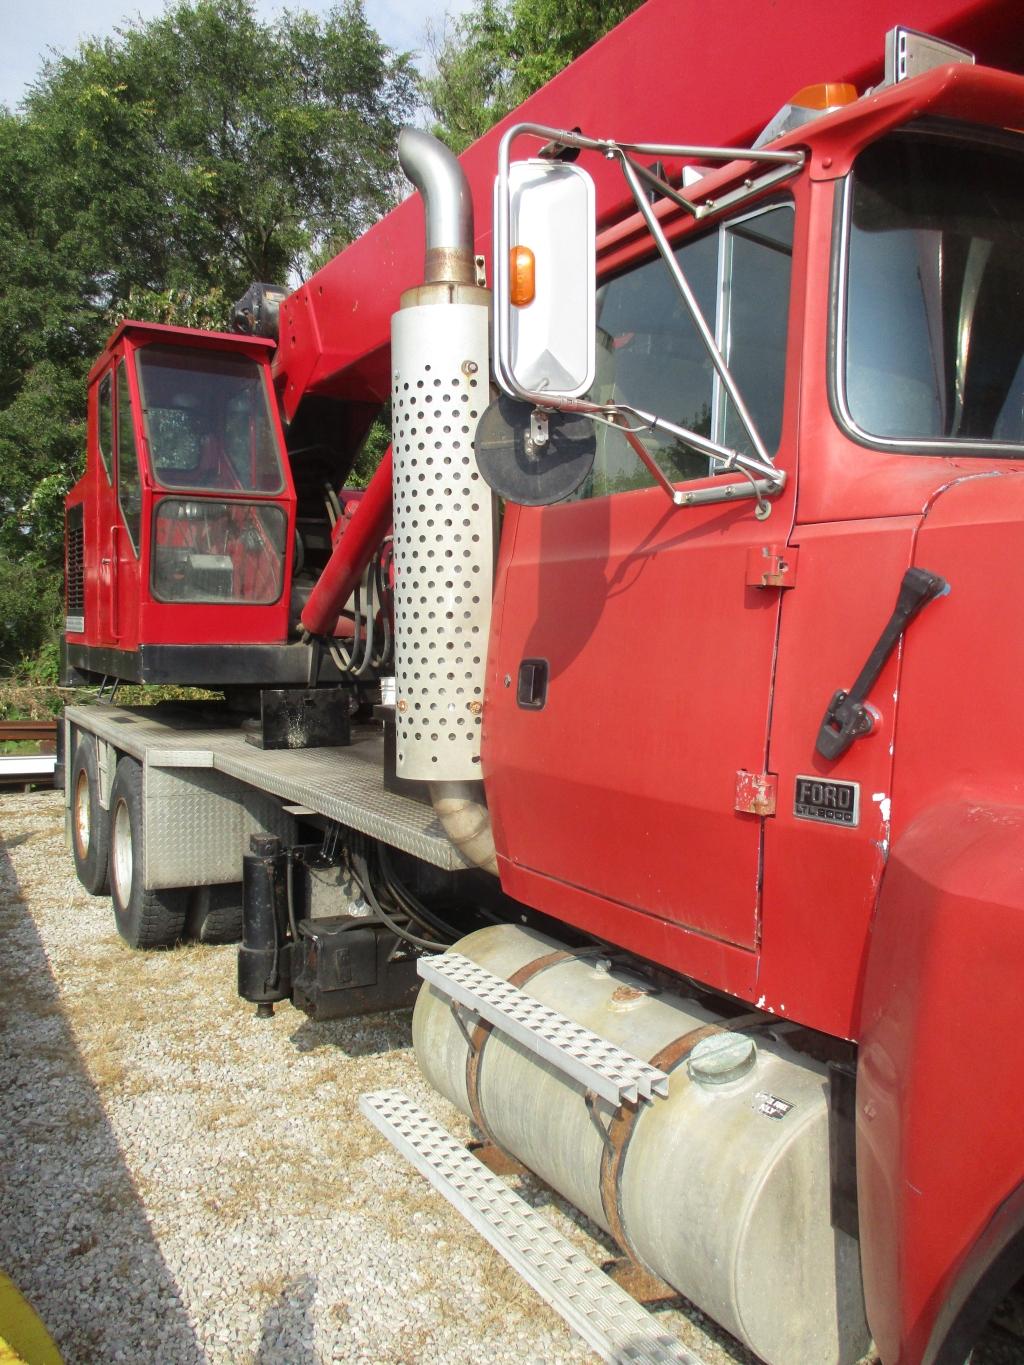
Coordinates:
(378, 438)
(154, 174)
(491, 58)
(30, 607)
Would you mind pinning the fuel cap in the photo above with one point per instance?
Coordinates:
(722, 1058)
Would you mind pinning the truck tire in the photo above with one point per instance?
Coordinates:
(144, 919)
(90, 823)
(215, 914)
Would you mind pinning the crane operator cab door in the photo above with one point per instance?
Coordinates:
(630, 681)
(116, 512)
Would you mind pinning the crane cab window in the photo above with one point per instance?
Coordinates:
(208, 420)
(129, 484)
(651, 355)
(105, 422)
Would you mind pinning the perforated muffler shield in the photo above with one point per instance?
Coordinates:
(444, 538)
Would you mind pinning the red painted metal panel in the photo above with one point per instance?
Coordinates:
(677, 70)
(669, 945)
(943, 1051)
(660, 659)
(821, 881)
(938, 1091)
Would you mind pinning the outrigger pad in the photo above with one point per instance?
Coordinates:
(529, 474)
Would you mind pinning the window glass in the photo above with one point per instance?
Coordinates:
(650, 353)
(208, 420)
(105, 424)
(935, 291)
(213, 551)
(129, 485)
(759, 254)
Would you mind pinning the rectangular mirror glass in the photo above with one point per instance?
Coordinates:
(546, 345)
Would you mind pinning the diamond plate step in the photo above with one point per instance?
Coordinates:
(609, 1321)
(609, 1071)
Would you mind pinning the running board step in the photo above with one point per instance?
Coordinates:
(609, 1321)
(609, 1071)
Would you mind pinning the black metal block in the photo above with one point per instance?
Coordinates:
(296, 718)
(342, 969)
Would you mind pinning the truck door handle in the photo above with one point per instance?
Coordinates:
(847, 717)
(532, 687)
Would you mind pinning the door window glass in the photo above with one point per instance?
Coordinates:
(651, 355)
(105, 423)
(129, 485)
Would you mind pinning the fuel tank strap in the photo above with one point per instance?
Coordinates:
(484, 1029)
(623, 1124)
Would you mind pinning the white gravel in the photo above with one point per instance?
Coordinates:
(184, 1183)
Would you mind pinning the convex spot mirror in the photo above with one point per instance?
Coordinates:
(546, 342)
(521, 470)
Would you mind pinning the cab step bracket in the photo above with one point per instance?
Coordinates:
(609, 1321)
(602, 1067)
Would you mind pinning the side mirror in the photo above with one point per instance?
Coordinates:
(545, 291)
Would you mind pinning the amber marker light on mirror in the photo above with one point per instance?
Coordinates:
(522, 274)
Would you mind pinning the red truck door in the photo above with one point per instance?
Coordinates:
(649, 656)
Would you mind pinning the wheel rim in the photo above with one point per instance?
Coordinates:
(121, 853)
(82, 814)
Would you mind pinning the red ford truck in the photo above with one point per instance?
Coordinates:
(650, 720)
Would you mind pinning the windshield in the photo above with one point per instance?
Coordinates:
(934, 298)
(207, 420)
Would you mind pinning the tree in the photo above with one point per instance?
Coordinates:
(156, 173)
(491, 58)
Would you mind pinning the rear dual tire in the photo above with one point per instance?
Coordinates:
(90, 823)
(144, 919)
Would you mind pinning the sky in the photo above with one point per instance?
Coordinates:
(61, 24)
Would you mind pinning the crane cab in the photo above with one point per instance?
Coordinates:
(179, 532)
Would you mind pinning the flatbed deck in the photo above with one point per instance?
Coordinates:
(345, 785)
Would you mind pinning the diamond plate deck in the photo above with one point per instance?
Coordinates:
(608, 1070)
(611, 1323)
(342, 784)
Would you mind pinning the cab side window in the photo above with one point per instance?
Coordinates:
(651, 355)
(105, 422)
(129, 484)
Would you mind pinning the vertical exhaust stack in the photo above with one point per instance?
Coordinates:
(444, 521)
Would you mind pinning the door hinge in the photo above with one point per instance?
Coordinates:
(772, 566)
(756, 793)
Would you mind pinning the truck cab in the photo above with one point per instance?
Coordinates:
(692, 651)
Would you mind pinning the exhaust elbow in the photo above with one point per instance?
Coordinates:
(464, 816)
(448, 206)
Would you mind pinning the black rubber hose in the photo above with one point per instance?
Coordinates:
(362, 874)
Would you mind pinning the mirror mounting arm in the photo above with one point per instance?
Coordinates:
(758, 469)
(693, 308)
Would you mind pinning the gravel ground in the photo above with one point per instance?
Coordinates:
(183, 1183)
